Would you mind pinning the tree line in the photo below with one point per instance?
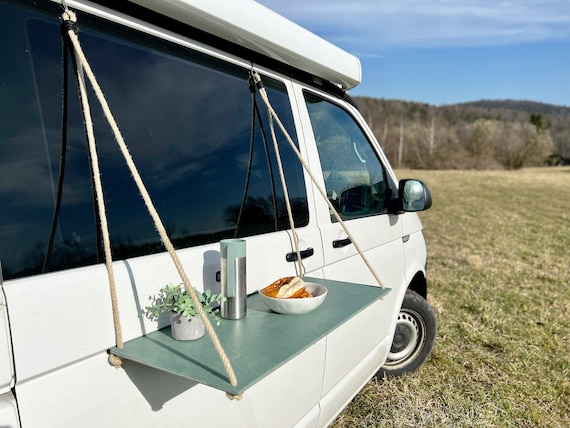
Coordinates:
(479, 135)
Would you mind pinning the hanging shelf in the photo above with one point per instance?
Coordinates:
(257, 344)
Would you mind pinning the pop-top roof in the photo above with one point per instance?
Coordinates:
(253, 26)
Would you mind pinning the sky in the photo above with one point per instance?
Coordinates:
(444, 52)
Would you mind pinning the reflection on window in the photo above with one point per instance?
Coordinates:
(186, 118)
(355, 180)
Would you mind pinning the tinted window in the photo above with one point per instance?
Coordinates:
(187, 121)
(355, 179)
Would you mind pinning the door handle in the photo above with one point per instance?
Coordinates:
(339, 243)
(292, 257)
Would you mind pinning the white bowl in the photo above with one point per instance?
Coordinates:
(297, 306)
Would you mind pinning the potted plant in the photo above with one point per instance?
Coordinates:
(185, 322)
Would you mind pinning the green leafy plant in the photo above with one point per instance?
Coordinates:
(175, 298)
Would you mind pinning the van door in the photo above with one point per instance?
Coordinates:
(359, 186)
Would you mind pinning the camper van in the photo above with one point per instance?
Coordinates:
(138, 136)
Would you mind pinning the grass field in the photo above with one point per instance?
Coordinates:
(499, 275)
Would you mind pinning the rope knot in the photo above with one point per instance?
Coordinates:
(69, 22)
(115, 361)
(254, 81)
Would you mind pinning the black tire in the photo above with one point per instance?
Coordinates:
(414, 337)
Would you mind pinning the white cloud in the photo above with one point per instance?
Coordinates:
(367, 26)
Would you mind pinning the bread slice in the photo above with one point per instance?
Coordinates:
(292, 289)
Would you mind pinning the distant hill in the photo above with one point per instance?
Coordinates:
(522, 106)
(479, 134)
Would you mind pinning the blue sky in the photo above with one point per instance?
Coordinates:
(448, 51)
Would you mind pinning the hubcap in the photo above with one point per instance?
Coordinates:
(407, 338)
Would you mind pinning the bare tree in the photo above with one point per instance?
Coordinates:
(401, 143)
(383, 139)
(523, 144)
(431, 133)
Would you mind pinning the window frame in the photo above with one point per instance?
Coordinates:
(352, 111)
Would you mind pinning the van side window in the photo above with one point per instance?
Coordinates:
(355, 180)
(186, 118)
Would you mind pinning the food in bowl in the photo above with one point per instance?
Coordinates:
(315, 295)
(289, 287)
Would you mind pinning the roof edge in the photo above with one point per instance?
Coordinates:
(255, 27)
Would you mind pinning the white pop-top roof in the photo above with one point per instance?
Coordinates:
(252, 25)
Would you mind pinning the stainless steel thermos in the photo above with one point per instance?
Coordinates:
(233, 279)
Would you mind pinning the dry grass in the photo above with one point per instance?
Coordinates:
(499, 257)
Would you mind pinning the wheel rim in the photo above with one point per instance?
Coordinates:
(408, 338)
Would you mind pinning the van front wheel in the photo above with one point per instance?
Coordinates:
(414, 336)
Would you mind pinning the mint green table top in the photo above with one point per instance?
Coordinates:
(257, 344)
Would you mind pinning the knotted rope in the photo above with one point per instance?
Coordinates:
(273, 116)
(83, 68)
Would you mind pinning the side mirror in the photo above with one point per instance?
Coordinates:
(413, 195)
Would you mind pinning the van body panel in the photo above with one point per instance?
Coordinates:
(344, 391)
(414, 246)
(59, 318)
(356, 338)
(9, 411)
(91, 393)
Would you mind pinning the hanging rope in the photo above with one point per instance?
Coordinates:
(273, 116)
(69, 19)
(286, 193)
(267, 156)
(100, 203)
(249, 166)
(63, 150)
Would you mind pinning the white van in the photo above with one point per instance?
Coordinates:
(176, 76)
